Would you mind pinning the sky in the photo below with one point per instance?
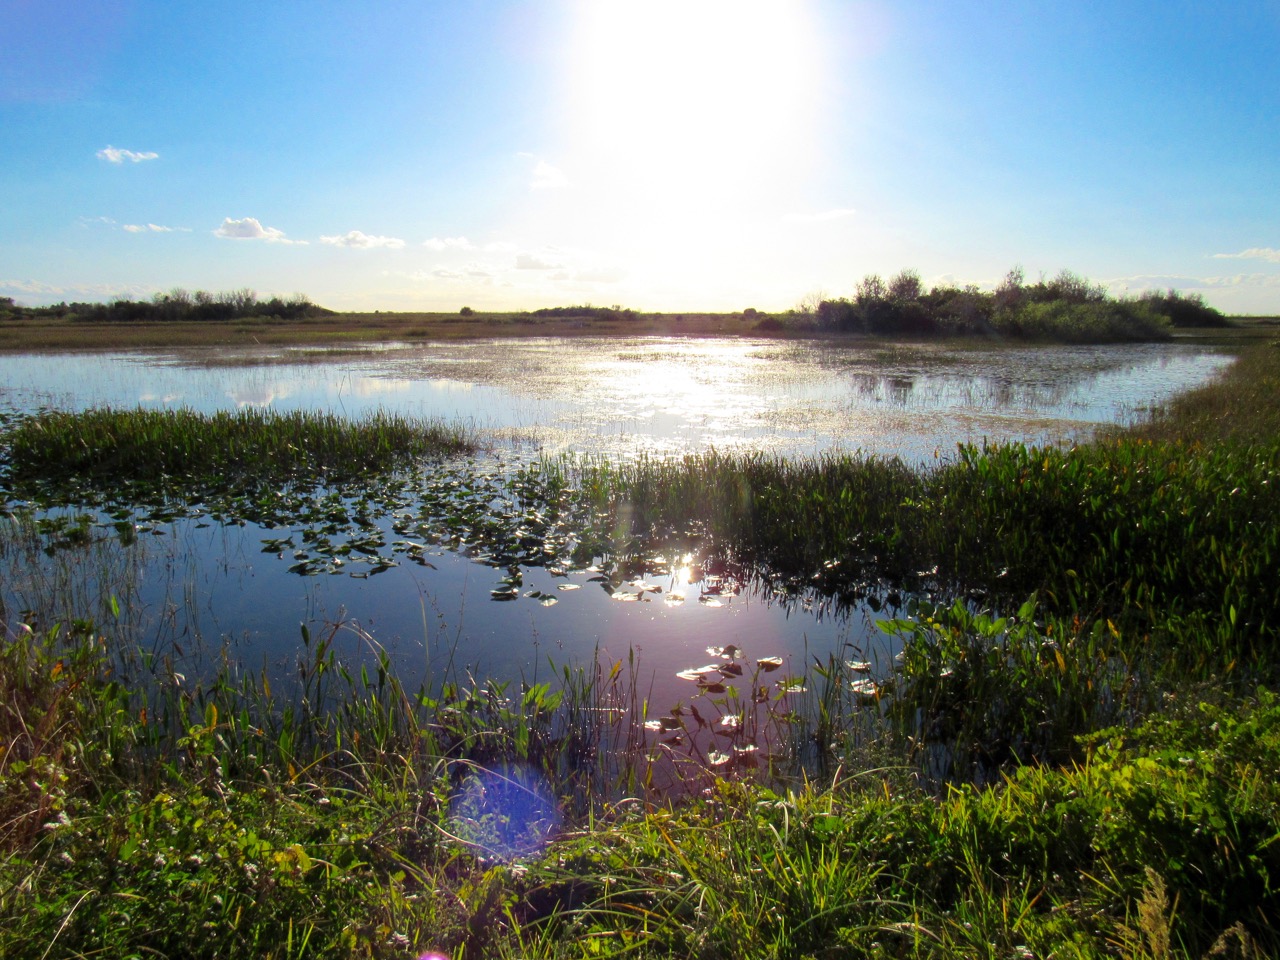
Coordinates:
(674, 155)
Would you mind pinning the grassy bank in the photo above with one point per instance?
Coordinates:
(1089, 774)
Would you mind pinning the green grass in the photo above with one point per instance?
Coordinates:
(128, 444)
(1088, 773)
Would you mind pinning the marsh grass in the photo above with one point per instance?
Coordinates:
(140, 443)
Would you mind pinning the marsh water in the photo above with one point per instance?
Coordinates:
(199, 587)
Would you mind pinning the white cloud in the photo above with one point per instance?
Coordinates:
(836, 213)
(116, 155)
(250, 229)
(1253, 253)
(600, 275)
(526, 261)
(500, 246)
(472, 271)
(91, 221)
(448, 243)
(1138, 284)
(545, 176)
(146, 228)
(37, 291)
(363, 241)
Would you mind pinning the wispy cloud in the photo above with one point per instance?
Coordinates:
(1137, 284)
(250, 229)
(836, 213)
(448, 243)
(149, 228)
(1253, 253)
(472, 271)
(40, 292)
(600, 275)
(527, 261)
(544, 176)
(363, 241)
(116, 155)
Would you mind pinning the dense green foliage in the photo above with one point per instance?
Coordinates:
(1086, 773)
(1066, 308)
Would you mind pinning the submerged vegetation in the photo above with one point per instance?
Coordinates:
(1074, 756)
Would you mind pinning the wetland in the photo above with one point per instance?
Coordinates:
(529, 645)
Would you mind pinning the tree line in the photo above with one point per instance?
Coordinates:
(175, 305)
(1066, 307)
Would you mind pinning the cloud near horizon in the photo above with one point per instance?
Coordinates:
(1253, 253)
(146, 228)
(51, 293)
(363, 241)
(250, 229)
(526, 261)
(448, 243)
(544, 176)
(116, 155)
(1157, 282)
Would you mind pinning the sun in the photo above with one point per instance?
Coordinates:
(690, 104)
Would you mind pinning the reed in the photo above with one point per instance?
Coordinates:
(106, 444)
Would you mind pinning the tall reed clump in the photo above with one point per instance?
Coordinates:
(107, 444)
(792, 518)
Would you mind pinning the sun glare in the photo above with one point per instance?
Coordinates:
(690, 105)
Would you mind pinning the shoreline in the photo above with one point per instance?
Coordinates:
(22, 335)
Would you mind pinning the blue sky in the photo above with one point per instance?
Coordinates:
(691, 155)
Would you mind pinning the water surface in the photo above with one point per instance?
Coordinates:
(196, 587)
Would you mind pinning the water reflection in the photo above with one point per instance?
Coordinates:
(453, 606)
(658, 396)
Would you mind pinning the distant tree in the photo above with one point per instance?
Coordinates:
(1183, 309)
(1010, 294)
(466, 312)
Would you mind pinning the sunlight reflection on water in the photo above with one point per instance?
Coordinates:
(615, 397)
(658, 396)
